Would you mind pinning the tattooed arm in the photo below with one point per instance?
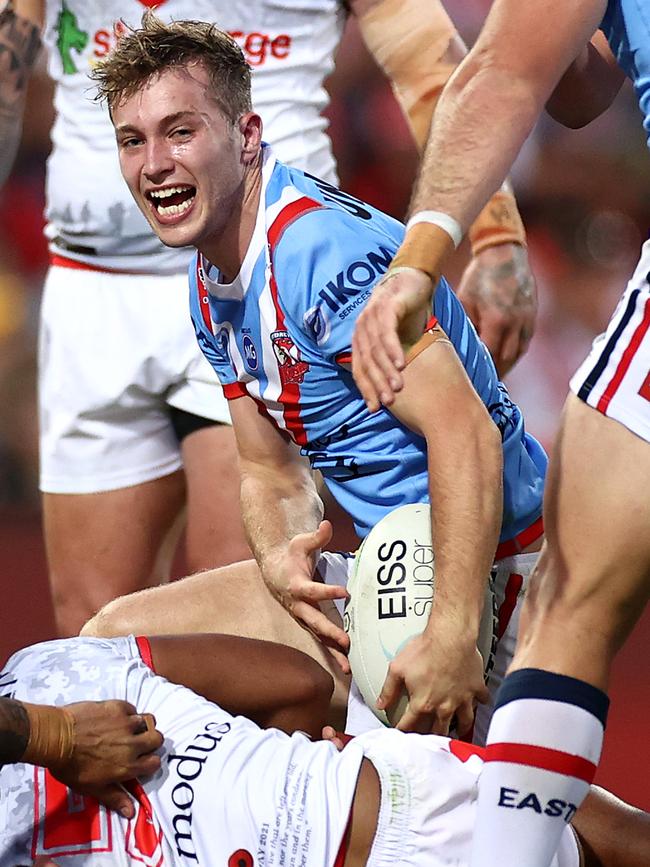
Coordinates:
(14, 730)
(20, 42)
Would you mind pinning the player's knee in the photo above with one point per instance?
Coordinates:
(112, 620)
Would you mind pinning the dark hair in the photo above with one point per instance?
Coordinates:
(145, 52)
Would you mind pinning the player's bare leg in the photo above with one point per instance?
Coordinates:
(233, 600)
(214, 531)
(587, 592)
(612, 833)
(592, 580)
(103, 545)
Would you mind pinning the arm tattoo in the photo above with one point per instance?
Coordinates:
(14, 730)
(19, 45)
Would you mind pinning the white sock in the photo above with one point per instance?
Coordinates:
(542, 752)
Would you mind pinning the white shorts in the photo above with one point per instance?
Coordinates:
(615, 376)
(115, 351)
(428, 802)
(510, 578)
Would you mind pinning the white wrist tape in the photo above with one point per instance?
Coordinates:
(440, 219)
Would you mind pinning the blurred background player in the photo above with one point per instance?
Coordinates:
(126, 398)
(593, 576)
(284, 266)
(231, 792)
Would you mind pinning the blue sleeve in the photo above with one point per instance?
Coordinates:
(331, 261)
(215, 347)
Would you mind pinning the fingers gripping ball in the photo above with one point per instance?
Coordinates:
(391, 591)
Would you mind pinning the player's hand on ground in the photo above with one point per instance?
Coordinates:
(302, 595)
(393, 320)
(442, 674)
(499, 295)
(112, 743)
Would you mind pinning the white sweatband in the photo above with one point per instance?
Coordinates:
(443, 221)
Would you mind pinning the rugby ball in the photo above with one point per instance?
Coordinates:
(391, 590)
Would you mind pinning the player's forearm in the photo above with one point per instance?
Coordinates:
(277, 505)
(493, 99)
(14, 730)
(465, 467)
(465, 488)
(461, 166)
(19, 46)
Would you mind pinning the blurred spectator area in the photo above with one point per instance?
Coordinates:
(584, 197)
(23, 261)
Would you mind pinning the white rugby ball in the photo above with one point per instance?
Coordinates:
(391, 591)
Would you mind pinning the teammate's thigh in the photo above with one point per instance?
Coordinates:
(233, 600)
(592, 579)
(214, 532)
(100, 546)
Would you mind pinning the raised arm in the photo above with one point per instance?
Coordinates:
(418, 47)
(442, 669)
(282, 516)
(269, 683)
(483, 117)
(20, 41)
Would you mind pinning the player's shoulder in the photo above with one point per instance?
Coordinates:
(314, 227)
(294, 195)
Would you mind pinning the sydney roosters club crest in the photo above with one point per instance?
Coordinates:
(290, 365)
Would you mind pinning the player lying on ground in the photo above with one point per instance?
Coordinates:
(90, 746)
(285, 263)
(232, 793)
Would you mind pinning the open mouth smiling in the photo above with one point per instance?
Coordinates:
(172, 201)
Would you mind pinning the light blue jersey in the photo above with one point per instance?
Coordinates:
(626, 25)
(281, 333)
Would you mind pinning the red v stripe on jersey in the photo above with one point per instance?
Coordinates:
(287, 215)
(290, 393)
(542, 757)
(626, 360)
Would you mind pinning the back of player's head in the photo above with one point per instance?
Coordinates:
(145, 52)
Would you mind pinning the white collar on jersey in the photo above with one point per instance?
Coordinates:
(237, 289)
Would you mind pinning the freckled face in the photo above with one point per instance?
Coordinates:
(180, 156)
